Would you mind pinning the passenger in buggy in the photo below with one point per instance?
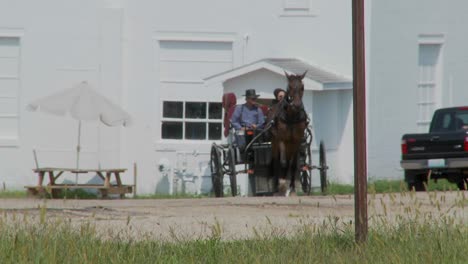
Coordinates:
(279, 95)
(247, 117)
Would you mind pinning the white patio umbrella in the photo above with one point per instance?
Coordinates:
(82, 103)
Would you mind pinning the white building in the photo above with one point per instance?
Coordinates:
(168, 64)
(417, 62)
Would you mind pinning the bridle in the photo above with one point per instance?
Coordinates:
(284, 115)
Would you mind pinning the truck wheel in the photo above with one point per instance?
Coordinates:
(463, 184)
(417, 186)
(415, 180)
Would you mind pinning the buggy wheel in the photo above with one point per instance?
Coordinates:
(305, 182)
(323, 168)
(216, 171)
(232, 170)
(306, 175)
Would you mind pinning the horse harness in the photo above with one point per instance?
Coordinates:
(281, 115)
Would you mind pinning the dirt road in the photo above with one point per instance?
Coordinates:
(232, 218)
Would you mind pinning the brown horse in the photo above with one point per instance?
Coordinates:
(289, 121)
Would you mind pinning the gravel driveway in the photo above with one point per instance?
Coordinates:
(232, 218)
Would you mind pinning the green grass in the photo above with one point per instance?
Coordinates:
(387, 186)
(406, 242)
(168, 196)
(335, 188)
(12, 194)
(375, 186)
(413, 237)
(77, 193)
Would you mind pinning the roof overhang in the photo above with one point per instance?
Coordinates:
(334, 82)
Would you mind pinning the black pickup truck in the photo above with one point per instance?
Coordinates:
(441, 153)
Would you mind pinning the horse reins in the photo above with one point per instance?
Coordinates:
(282, 115)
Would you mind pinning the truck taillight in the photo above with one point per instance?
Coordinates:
(404, 146)
(465, 144)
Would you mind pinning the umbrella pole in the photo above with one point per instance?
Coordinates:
(78, 149)
(99, 146)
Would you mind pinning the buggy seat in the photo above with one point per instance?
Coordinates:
(229, 104)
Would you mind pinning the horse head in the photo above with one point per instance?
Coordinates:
(295, 90)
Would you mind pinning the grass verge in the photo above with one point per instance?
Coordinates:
(12, 194)
(377, 186)
(389, 186)
(406, 242)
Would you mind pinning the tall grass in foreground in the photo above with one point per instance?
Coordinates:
(405, 242)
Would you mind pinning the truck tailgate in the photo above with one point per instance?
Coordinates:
(435, 145)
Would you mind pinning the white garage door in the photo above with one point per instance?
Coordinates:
(193, 60)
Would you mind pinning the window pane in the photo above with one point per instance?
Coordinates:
(214, 131)
(215, 110)
(195, 130)
(171, 130)
(195, 110)
(172, 109)
(463, 116)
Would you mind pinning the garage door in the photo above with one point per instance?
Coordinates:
(191, 61)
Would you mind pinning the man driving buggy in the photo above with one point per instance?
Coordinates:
(247, 116)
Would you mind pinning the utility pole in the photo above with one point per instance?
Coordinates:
(359, 113)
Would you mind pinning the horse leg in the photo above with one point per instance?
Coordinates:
(280, 185)
(283, 160)
(292, 176)
(282, 172)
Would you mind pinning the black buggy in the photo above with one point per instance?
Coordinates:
(256, 158)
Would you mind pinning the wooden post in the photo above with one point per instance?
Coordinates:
(359, 113)
(134, 179)
(40, 178)
(108, 179)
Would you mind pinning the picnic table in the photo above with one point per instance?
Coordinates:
(54, 188)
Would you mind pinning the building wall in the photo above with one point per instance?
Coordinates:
(60, 44)
(256, 29)
(396, 29)
(118, 46)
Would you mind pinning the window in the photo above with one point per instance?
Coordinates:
(191, 120)
(428, 83)
(9, 88)
(450, 121)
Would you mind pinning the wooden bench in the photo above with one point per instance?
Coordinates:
(54, 173)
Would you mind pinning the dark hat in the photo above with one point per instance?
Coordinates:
(277, 91)
(250, 93)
